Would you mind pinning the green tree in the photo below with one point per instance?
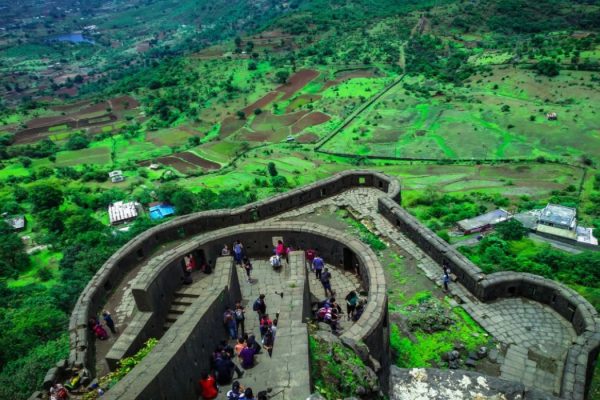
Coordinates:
(282, 76)
(279, 181)
(272, 169)
(194, 140)
(547, 67)
(44, 196)
(184, 202)
(511, 230)
(77, 141)
(13, 257)
(25, 161)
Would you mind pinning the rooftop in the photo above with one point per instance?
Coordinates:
(161, 210)
(558, 215)
(490, 218)
(122, 212)
(17, 222)
(551, 230)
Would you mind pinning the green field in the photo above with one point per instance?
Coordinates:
(499, 116)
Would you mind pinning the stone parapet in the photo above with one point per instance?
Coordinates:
(570, 305)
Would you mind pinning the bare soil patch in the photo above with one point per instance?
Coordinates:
(199, 161)
(31, 135)
(67, 108)
(258, 136)
(312, 119)
(123, 103)
(177, 163)
(307, 138)
(261, 103)
(230, 125)
(297, 82)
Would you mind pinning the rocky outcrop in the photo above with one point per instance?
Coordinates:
(427, 384)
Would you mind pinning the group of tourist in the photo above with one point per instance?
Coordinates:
(329, 311)
(225, 358)
(98, 329)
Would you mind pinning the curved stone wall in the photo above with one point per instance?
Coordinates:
(159, 279)
(582, 355)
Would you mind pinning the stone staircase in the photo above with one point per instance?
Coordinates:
(184, 298)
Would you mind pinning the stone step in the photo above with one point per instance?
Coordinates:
(167, 325)
(172, 317)
(177, 309)
(188, 294)
(182, 301)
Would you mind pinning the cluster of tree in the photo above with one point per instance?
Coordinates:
(43, 148)
(33, 318)
(185, 201)
(503, 251)
(432, 57)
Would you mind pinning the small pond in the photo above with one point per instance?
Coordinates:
(73, 37)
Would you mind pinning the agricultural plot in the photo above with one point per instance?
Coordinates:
(77, 116)
(498, 116)
(307, 108)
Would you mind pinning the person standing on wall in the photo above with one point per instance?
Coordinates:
(260, 306)
(248, 268)
(310, 255)
(225, 250)
(351, 302)
(446, 280)
(238, 252)
(240, 317)
(318, 265)
(109, 321)
(326, 282)
(230, 323)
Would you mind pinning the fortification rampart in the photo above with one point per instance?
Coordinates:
(186, 346)
(581, 357)
(159, 279)
(568, 303)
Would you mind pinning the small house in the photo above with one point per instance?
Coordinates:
(121, 212)
(551, 116)
(161, 210)
(483, 222)
(17, 222)
(116, 176)
(557, 216)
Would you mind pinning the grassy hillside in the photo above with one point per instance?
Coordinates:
(450, 97)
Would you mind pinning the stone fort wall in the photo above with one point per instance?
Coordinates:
(158, 280)
(581, 357)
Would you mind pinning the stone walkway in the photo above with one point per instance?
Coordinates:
(273, 284)
(533, 338)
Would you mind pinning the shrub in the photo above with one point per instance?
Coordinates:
(547, 68)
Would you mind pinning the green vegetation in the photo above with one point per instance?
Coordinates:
(433, 330)
(125, 366)
(496, 254)
(336, 371)
(363, 232)
(463, 124)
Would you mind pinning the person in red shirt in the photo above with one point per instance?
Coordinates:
(208, 386)
(310, 256)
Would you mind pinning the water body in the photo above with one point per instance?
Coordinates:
(72, 37)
